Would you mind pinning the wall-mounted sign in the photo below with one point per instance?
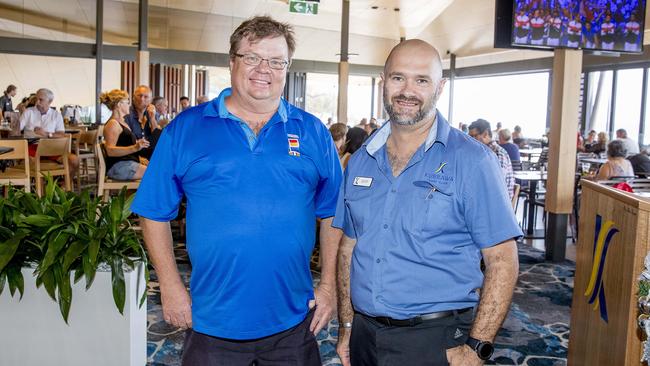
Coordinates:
(303, 7)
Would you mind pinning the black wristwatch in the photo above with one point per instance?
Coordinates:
(483, 349)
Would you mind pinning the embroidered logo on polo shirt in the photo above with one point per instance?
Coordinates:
(294, 145)
(439, 175)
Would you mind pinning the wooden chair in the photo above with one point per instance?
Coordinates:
(85, 151)
(104, 184)
(14, 122)
(40, 168)
(19, 175)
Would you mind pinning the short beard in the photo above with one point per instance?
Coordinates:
(425, 111)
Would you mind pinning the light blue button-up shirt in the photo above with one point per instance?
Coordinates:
(419, 234)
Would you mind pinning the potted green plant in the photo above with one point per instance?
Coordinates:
(55, 241)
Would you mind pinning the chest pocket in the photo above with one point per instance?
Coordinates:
(357, 202)
(435, 209)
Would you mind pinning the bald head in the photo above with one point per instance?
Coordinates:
(412, 83)
(415, 49)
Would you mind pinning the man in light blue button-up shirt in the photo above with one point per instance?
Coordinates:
(420, 204)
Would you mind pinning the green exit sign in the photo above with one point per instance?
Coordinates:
(303, 7)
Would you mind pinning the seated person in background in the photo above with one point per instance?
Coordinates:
(591, 138)
(480, 130)
(338, 132)
(353, 141)
(641, 162)
(27, 102)
(122, 147)
(505, 141)
(616, 165)
(518, 137)
(599, 146)
(631, 146)
(162, 111)
(185, 103)
(142, 119)
(370, 127)
(43, 121)
(580, 144)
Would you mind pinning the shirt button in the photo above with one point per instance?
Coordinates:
(385, 226)
(393, 190)
(378, 260)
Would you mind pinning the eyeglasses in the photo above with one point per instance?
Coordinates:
(254, 60)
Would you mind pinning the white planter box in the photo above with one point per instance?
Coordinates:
(32, 330)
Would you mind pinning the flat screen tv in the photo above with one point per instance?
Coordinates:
(602, 25)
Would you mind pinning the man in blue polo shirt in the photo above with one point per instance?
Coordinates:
(256, 172)
(420, 204)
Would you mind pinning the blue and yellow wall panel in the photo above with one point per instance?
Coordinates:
(604, 233)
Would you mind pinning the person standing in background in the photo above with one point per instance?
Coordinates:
(5, 101)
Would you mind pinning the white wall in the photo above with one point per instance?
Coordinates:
(72, 80)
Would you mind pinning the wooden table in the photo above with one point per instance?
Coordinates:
(532, 177)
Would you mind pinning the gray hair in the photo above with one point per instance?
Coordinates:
(47, 92)
(505, 134)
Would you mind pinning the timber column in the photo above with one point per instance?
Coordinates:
(565, 97)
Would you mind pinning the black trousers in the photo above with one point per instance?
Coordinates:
(293, 347)
(375, 344)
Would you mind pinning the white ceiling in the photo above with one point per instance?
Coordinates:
(463, 27)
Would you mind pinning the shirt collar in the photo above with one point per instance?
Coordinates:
(217, 108)
(439, 132)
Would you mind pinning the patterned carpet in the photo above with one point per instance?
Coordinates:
(536, 332)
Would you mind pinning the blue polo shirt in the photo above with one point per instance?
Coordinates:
(419, 235)
(251, 212)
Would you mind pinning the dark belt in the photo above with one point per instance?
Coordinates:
(416, 320)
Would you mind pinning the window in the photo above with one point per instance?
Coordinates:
(599, 97)
(359, 99)
(218, 79)
(443, 103)
(512, 100)
(628, 101)
(322, 95)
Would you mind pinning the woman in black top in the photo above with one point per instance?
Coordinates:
(122, 147)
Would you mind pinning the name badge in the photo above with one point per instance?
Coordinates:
(362, 181)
